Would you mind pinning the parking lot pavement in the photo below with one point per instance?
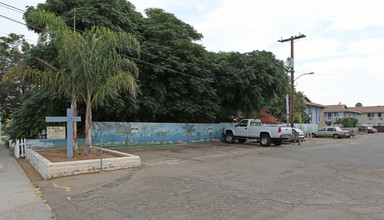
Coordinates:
(320, 179)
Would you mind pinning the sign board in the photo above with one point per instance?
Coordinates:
(210, 129)
(134, 128)
(56, 132)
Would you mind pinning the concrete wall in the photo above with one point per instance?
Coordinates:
(136, 134)
(49, 170)
(116, 134)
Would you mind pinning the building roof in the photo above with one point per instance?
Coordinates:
(314, 104)
(307, 101)
(369, 109)
(339, 108)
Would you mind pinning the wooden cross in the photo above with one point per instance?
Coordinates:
(69, 119)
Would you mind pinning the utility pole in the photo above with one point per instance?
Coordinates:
(291, 39)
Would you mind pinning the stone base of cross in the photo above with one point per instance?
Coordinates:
(69, 119)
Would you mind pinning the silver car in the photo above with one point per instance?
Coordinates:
(335, 132)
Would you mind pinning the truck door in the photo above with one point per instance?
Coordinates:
(242, 129)
(254, 129)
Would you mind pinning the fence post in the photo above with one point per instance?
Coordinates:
(22, 147)
(16, 149)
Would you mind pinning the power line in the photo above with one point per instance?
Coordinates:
(143, 52)
(23, 35)
(145, 62)
(11, 19)
(2, 4)
(161, 67)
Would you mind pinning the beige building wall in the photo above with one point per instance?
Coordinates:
(375, 121)
(322, 123)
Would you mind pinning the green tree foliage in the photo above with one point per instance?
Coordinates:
(29, 119)
(166, 94)
(300, 108)
(249, 82)
(13, 50)
(179, 80)
(350, 122)
(97, 72)
(117, 15)
(359, 104)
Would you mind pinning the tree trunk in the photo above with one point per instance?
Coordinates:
(88, 128)
(74, 109)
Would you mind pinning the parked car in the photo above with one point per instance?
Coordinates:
(369, 129)
(254, 129)
(297, 135)
(335, 132)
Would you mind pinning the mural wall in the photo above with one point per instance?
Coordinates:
(126, 134)
(136, 134)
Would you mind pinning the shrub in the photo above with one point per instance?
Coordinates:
(350, 122)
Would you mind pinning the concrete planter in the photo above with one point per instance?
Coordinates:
(49, 170)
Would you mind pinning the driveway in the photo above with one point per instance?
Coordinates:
(320, 179)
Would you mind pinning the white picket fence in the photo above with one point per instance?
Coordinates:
(19, 148)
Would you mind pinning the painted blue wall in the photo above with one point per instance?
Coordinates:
(123, 133)
(115, 134)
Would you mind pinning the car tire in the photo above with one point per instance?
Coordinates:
(242, 140)
(314, 135)
(277, 142)
(229, 138)
(265, 140)
(336, 136)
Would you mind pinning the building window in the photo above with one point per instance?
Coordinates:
(379, 114)
(329, 115)
(371, 115)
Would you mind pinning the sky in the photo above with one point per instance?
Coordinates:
(344, 43)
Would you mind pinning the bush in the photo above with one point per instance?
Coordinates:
(350, 122)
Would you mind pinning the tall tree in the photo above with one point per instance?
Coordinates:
(13, 50)
(249, 82)
(97, 71)
(117, 15)
(29, 118)
(178, 88)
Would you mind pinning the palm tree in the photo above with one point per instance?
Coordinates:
(188, 129)
(92, 68)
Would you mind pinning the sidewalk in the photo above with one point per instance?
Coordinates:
(18, 199)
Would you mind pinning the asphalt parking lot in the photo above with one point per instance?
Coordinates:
(319, 179)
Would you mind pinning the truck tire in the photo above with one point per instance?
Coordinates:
(242, 140)
(277, 142)
(265, 140)
(229, 138)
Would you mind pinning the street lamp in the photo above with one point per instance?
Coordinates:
(310, 73)
(292, 98)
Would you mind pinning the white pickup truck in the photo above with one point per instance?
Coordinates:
(253, 129)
